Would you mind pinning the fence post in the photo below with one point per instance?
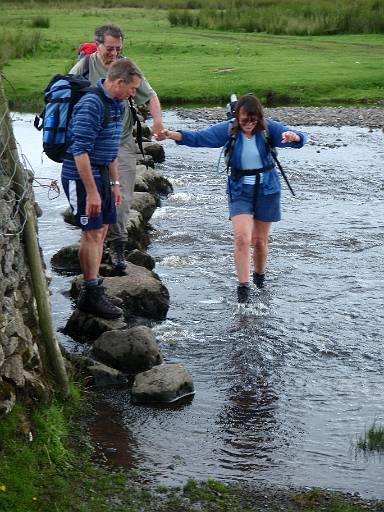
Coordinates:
(55, 358)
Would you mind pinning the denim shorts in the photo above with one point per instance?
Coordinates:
(267, 206)
(76, 194)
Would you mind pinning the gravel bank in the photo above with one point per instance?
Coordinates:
(303, 116)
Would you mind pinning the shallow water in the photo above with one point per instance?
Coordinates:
(284, 387)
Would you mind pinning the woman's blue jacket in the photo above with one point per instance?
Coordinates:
(218, 135)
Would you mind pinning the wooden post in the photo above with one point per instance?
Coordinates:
(40, 288)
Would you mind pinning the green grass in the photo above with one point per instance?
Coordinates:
(197, 66)
(298, 17)
(372, 440)
(40, 22)
(46, 466)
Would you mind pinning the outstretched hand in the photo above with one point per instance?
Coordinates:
(168, 134)
(288, 137)
(157, 130)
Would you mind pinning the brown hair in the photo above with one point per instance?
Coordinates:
(108, 30)
(251, 106)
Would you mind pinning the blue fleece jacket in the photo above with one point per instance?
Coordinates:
(218, 135)
(88, 135)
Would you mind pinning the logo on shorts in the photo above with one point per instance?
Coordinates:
(83, 220)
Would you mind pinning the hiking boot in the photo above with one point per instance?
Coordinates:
(116, 301)
(243, 293)
(93, 300)
(116, 255)
(258, 279)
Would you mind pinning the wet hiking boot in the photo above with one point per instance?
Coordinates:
(116, 301)
(258, 279)
(92, 299)
(243, 293)
(116, 255)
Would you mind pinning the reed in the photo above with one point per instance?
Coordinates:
(372, 439)
(40, 22)
(277, 17)
(15, 46)
(298, 17)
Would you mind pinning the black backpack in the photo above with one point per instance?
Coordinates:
(60, 96)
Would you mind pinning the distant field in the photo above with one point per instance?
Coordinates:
(198, 66)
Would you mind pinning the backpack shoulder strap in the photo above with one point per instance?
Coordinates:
(106, 105)
(85, 72)
(228, 148)
(139, 131)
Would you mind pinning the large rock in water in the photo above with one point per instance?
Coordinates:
(143, 293)
(155, 150)
(162, 384)
(149, 180)
(83, 327)
(130, 350)
(144, 203)
(66, 259)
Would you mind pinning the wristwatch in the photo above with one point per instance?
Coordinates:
(114, 183)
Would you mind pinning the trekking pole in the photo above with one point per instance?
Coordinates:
(282, 173)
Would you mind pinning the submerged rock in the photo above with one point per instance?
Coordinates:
(67, 259)
(130, 350)
(162, 384)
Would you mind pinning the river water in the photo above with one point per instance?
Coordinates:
(286, 386)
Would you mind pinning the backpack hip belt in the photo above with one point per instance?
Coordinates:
(238, 173)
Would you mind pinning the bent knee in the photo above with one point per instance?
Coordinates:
(242, 241)
(259, 243)
(94, 235)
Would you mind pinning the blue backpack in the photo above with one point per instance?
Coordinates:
(60, 96)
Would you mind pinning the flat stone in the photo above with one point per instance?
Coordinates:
(130, 350)
(162, 384)
(103, 375)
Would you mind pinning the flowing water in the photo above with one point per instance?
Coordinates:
(284, 387)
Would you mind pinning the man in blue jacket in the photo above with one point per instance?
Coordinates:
(90, 177)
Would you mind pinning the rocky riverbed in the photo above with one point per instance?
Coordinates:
(303, 116)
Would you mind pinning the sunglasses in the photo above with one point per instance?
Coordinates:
(247, 120)
(110, 49)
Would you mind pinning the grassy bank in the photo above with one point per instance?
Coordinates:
(200, 66)
(298, 17)
(46, 465)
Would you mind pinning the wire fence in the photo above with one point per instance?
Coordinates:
(16, 188)
(18, 219)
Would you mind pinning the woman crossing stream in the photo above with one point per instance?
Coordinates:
(284, 391)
